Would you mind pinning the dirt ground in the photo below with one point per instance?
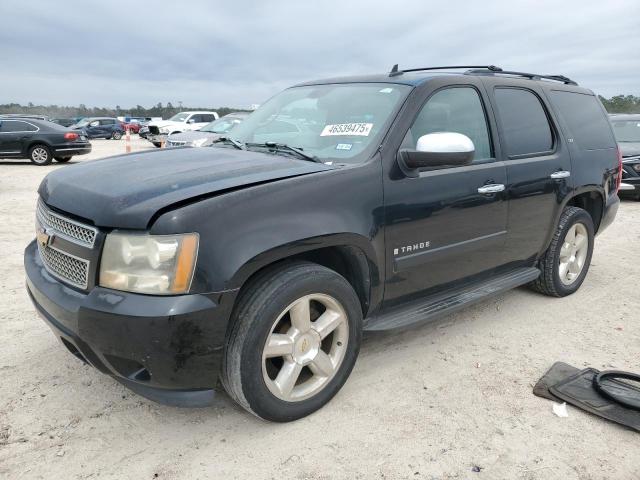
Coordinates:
(433, 402)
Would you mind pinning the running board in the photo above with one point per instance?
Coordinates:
(448, 302)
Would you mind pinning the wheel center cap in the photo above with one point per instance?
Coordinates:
(306, 347)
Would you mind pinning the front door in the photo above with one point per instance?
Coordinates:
(445, 227)
(11, 133)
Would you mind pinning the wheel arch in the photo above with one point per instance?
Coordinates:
(32, 143)
(349, 255)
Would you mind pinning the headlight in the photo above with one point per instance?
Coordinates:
(199, 142)
(153, 264)
(163, 129)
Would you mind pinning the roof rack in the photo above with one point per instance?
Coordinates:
(487, 70)
(531, 76)
(395, 71)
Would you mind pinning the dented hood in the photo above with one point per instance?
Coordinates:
(126, 191)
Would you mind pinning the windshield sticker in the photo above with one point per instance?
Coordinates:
(386, 90)
(344, 146)
(360, 129)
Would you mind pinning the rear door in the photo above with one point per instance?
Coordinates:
(13, 134)
(441, 230)
(538, 166)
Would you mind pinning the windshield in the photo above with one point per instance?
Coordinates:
(627, 130)
(179, 117)
(342, 122)
(83, 123)
(222, 125)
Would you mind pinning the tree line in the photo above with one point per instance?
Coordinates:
(615, 104)
(58, 111)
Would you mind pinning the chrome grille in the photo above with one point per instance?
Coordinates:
(66, 267)
(66, 228)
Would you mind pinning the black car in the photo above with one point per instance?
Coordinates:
(39, 140)
(626, 128)
(350, 204)
(100, 127)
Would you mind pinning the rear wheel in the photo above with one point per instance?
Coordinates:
(566, 262)
(62, 159)
(294, 341)
(40, 155)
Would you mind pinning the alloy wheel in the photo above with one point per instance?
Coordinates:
(573, 253)
(39, 155)
(305, 347)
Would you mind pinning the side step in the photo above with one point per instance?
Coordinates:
(448, 302)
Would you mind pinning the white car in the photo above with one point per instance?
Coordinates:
(180, 122)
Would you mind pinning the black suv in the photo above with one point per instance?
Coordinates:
(39, 140)
(626, 128)
(343, 205)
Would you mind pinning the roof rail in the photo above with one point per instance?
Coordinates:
(531, 76)
(395, 71)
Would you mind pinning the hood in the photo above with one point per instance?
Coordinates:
(192, 136)
(163, 123)
(629, 149)
(126, 191)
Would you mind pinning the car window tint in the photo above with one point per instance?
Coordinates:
(587, 123)
(194, 119)
(8, 126)
(459, 110)
(525, 125)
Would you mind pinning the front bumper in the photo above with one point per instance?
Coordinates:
(157, 138)
(166, 348)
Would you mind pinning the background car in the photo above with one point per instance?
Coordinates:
(133, 127)
(65, 122)
(101, 127)
(626, 128)
(180, 122)
(208, 133)
(40, 141)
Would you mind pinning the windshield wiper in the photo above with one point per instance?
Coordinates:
(231, 141)
(284, 147)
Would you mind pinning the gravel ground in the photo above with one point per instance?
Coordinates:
(436, 402)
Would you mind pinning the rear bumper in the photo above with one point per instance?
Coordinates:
(168, 349)
(70, 149)
(609, 212)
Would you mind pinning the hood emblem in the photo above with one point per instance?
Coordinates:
(43, 237)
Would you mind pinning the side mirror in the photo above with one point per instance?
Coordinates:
(437, 150)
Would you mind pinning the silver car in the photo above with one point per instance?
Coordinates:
(207, 134)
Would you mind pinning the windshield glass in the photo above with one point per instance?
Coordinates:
(83, 123)
(179, 117)
(222, 125)
(342, 122)
(627, 130)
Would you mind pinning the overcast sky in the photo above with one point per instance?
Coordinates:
(242, 52)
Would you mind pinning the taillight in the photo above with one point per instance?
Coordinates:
(619, 179)
(70, 136)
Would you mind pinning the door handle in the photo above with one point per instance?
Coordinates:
(560, 174)
(491, 188)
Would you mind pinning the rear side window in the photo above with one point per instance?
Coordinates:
(207, 117)
(525, 125)
(7, 126)
(587, 122)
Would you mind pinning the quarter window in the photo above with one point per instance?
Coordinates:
(459, 110)
(525, 125)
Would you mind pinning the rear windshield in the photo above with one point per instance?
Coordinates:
(584, 116)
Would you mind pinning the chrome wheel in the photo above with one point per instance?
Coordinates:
(39, 155)
(573, 253)
(305, 347)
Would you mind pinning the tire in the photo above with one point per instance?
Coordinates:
(62, 159)
(116, 135)
(552, 281)
(250, 370)
(157, 144)
(40, 155)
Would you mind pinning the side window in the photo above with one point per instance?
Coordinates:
(587, 123)
(95, 123)
(8, 126)
(195, 119)
(455, 109)
(207, 117)
(525, 125)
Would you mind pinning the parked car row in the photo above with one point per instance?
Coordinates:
(207, 134)
(180, 122)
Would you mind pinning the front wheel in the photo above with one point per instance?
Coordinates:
(566, 262)
(295, 339)
(116, 135)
